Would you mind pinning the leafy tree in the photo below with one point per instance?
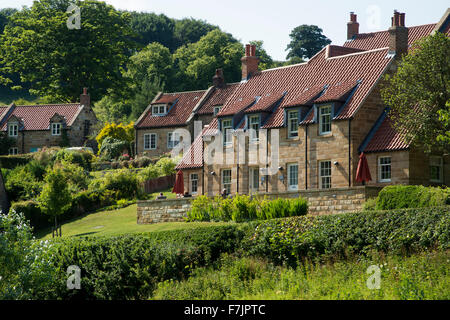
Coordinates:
(306, 41)
(150, 27)
(418, 94)
(197, 62)
(55, 198)
(145, 93)
(5, 143)
(190, 30)
(119, 131)
(4, 17)
(113, 108)
(58, 61)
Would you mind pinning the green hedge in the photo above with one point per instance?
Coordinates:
(242, 208)
(10, 162)
(338, 236)
(129, 267)
(399, 197)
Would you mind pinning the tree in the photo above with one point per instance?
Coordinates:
(190, 30)
(4, 17)
(55, 198)
(57, 61)
(306, 41)
(150, 27)
(197, 62)
(418, 94)
(117, 131)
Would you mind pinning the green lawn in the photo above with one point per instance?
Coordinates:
(114, 222)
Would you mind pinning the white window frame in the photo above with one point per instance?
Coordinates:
(216, 110)
(56, 128)
(13, 130)
(226, 131)
(226, 185)
(292, 133)
(325, 119)
(193, 180)
(436, 161)
(13, 151)
(149, 137)
(380, 169)
(254, 124)
(292, 177)
(173, 142)
(159, 110)
(325, 177)
(253, 176)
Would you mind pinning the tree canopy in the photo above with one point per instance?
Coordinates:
(306, 41)
(58, 61)
(418, 94)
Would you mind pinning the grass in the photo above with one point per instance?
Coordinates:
(115, 222)
(418, 277)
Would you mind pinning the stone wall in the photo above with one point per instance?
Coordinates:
(321, 202)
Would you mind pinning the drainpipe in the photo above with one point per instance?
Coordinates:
(203, 166)
(349, 153)
(267, 160)
(306, 157)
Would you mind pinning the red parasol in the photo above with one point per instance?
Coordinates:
(178, 188)
(363, 172)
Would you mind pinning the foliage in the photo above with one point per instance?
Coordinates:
(370, 204)
(55, 198)
(32, 213)
(399, 197)
(306, 41)
(23, 182)
(112, 148)
(190, 30)
(419, 94)
(166, 166)
(123, 183)
(195, 63)
(79, 157)
(422, 276)
(10, 162)
(46, 156)
(244, 208)
(265, 61)
(5, 143)
(38, 37)
(117, 131)
(339, 236)
(5, 13)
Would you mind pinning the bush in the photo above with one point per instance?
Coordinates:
(22, 184)
(339, 236)
(398, 197)
(144, 161)
(10, 162)
(244, 208)
(46, 156)
(31, 211)
(79, 157)
(124, 183)
(166, 166)
(112, 148)
(370, 204)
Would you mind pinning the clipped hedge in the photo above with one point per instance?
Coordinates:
(130, 266)
(338, 236)
(242, 208)
(401, 196)
(10, 162)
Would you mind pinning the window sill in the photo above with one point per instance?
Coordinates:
(384, 181)
(326, 135)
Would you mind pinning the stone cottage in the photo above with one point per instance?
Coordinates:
(35, 126)
(304, 126)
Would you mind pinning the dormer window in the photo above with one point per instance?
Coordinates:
(217, 109)
(13, 130)
(254, 128)
(56, 129)
(292, 123)
(159, 110)
(324, 119)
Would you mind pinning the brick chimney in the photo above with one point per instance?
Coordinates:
(398, 35)
(218, 79)
(249, 62)
(352, 26)
(85, 99)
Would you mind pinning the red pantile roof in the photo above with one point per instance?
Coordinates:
(178, 114)
(265, 103)
(305, 98)
(37, 117)
(165, 99)
(376, 40)
(217, 98)
(336, 92)
(317, 72)
(386, 138)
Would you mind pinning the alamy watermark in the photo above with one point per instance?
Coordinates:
(74, 277)
(374, 281)
(74, 20)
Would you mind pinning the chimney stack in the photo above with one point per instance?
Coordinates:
(398, 35)
(249, 62)
(352, 26)
(85, 99)
(218, 79)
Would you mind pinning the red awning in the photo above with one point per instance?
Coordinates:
(363, 172)
(178, 188)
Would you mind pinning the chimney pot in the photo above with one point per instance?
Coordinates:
(398, 35)
(247, 50)
(218, 79)
(249, 62)
(85, 99)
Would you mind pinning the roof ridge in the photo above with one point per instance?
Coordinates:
(358, 53)
(194, 91)
(387, 30)
(48, 105)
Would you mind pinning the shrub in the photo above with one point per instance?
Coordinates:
(124, 183)
(79, 157)
(144, 161)
(46, 156)
(166, 166)
(370, 204)
(112, 148)
(22, 184)
(149, 173)
(244, 208)
(10, 162)
(339, 236)
(398, 197)
(31, 211)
